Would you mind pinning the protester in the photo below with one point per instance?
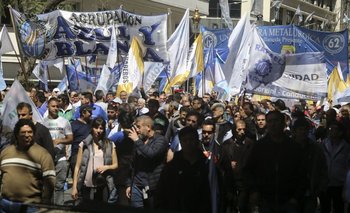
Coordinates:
(141, 108)
(87, 98)
(260, 123)
(125, 152)
(66, 109)
(337, 152)
(149, 159)
(100, 100)
(234, 157)
(316, 166)
(42, 134)
(184, 183)
(61, 133)
(274, 169)
(123, 95)
(27, 171)
(81, 128)
(160, 121)
(96, 162)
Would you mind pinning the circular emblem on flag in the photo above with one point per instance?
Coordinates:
(263, 67)
(209, 39)
(32, 38)
(334, 43)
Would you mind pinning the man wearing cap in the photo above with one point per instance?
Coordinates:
(87, 98)
(61, 133)
(55, 92)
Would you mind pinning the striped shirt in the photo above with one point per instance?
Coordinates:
(23, 174)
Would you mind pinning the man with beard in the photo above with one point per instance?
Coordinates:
(148, 163)
(260, 121)
(233, 160)
(222, 126)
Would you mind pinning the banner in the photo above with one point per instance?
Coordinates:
(305, 73)
(279, 92)
(295, 39)
(65, 34)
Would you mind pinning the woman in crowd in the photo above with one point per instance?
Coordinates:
(96, 162)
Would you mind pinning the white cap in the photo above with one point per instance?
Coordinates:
(117, 100)
(56, 90)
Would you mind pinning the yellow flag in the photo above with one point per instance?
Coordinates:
(133, 69)
(335, 85)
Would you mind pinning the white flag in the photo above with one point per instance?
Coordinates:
(132, 72)
(9, 117)
(178, 47)
(236, 61)
(5, 41)
(152, 71)
(304, 73)
(225, 13)
(40, 72)
(220, 83)
(113, 50)
(102, 82)
(264, 66)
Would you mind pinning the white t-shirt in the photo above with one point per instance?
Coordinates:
(59, 128)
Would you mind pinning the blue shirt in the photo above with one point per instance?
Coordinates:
(97, 112)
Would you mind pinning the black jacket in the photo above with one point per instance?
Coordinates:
(149, 160)
(275, 170)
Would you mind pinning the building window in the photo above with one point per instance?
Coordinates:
(6, 18)
(215, 11)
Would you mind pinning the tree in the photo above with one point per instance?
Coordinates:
(31, 7)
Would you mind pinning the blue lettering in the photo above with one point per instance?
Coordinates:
(147, 33)
(63, 29)
(80, 48)
(64, 49)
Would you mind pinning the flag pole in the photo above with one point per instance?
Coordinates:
(18, 42)
(68, 86)
(48, 73)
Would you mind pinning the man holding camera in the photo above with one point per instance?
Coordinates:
(149, 158)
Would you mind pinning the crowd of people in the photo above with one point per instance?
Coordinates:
(178, 152)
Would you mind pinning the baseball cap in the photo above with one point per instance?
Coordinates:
(56, 90)
(86, 107)
(117, 100)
